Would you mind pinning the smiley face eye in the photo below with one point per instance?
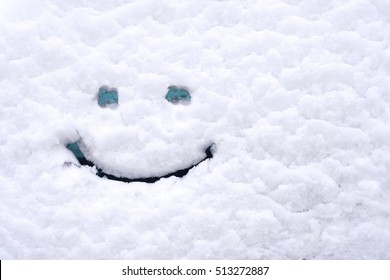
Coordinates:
(177, 94)
(107, 97)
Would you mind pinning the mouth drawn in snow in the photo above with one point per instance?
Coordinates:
(75, 149)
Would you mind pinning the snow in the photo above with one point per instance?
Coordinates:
(294, 94)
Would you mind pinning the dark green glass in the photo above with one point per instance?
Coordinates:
(176, 94)
(107, 96)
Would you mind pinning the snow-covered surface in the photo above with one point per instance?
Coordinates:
(295, 95)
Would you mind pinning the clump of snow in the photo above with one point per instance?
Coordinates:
(294, 94)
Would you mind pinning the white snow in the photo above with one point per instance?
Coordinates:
(295, 94)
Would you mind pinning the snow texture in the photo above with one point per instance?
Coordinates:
(295, 95)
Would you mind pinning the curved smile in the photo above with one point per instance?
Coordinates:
(75, 149)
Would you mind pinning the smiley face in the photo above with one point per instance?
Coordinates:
(167, 147)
